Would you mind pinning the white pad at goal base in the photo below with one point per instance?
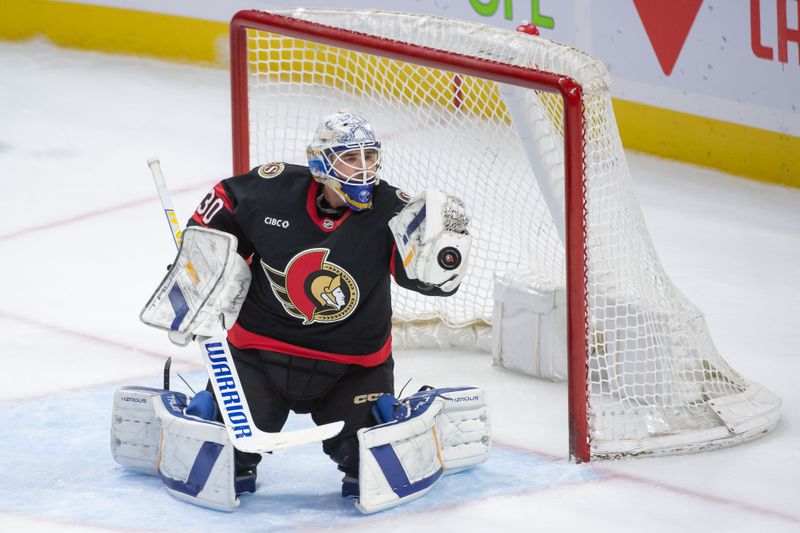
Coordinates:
(205, 287)
(529, 325)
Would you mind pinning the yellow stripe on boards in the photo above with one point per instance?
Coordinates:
(755, 153)
(114, 30)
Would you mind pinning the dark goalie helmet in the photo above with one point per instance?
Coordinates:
(346, 154)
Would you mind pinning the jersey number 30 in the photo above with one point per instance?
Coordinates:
(209, 207)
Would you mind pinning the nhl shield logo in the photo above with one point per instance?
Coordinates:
(312, 288)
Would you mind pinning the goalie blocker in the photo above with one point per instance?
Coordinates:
(203, 290)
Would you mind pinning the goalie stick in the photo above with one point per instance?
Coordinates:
(166, 202)
(167, 366)
(224, 378)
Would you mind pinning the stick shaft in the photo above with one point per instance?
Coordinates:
(166, 201)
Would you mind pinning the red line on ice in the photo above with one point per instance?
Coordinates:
(92, 214)
(611, 475)
(93, 339)
(83, 336)
(608, 476)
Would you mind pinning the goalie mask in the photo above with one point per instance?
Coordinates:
(346, 155)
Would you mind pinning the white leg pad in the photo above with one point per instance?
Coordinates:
(196, 463)
(135, 431)
(399, 460)
(434, 432)
(464, 428)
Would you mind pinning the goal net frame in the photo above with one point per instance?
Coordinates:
(568, 89)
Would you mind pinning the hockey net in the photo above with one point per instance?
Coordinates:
(521, 129)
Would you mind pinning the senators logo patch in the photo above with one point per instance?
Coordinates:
(312, 288)
(270, 170)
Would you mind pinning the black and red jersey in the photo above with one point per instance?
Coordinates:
(320, 286)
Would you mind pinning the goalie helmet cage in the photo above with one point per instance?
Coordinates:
(522, 129)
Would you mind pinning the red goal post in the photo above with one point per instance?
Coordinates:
(259, 73)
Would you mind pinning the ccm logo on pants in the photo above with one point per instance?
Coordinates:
(364, 398)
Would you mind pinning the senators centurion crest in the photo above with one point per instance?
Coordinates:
(313, 288)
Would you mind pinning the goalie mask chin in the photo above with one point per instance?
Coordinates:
(346, 155)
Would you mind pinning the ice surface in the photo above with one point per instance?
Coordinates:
(83, 243)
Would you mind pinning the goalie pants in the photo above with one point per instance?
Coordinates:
(276, 383)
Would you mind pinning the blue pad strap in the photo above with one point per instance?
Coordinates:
(384, 409)
(203, 406)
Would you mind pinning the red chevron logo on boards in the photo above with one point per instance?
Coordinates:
(667, 24)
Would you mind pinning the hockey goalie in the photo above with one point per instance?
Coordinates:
(283, 279)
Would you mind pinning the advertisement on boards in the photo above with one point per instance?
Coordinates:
(731, 60)
(737, 61)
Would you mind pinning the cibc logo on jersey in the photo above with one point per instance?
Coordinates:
(277, 222)
(312, 288)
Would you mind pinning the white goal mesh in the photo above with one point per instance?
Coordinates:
(655, 382)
